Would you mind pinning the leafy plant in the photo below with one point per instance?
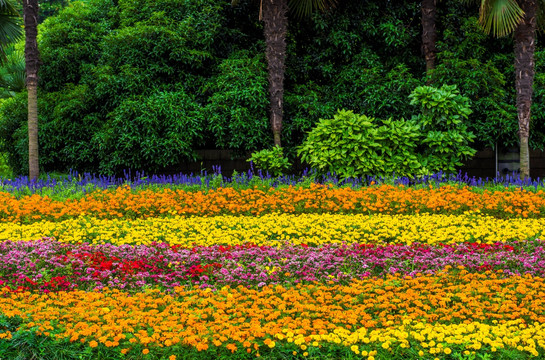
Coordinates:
(271, 160)
(446, 137)
(5, 170)
(12, 73)
(353, 145)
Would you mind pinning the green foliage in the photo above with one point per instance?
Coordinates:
(537, 124)
(442, 108)
(353, 145)
(14, 132)
(46, 8)
(27, 345)
(149, 133)
(49, 8)
(470, 60)
(13, 73)
(10, 26)
(101, 57)
(446, 137)
(121, 86)
(369, 87)
(69, 42)
(10, 323)
(271, 161)
(236, 112)
(5, 169)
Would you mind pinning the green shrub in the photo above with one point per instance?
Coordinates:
(445, 135)
(356, 145)
(271, 161)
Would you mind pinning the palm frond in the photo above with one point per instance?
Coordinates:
(13, 73)
(10, 26)
(500, 17)
(471, 2)
(10, 29)
(7, 6)
(303, 8)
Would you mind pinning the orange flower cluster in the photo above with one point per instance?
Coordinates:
(243, 317)
(385, 199)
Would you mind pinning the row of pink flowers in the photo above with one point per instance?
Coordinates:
(48, 265)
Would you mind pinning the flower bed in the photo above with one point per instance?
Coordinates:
(384, 272)
(479, 311)
(48, 265)
(276, 229)
(385, 199)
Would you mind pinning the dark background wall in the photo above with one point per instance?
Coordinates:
(481, 165)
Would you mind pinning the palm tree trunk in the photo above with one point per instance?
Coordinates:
(30, 13)
(33, 160)
(429, 35)
(525, 35)
(275, 20)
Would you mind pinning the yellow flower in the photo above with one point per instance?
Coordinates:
(145, 351)
(93, 344)
(447, 351)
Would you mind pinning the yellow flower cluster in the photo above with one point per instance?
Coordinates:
(275, 229)
(435, 312)
(436, 339)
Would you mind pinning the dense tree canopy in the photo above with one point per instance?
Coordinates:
(142, 84)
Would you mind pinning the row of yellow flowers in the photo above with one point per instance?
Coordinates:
(125, 202)
(276, 229)
(434, 313)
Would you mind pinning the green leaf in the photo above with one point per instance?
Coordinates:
(500, 17)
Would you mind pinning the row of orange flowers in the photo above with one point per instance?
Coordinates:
(254, 318)
(386, 199)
